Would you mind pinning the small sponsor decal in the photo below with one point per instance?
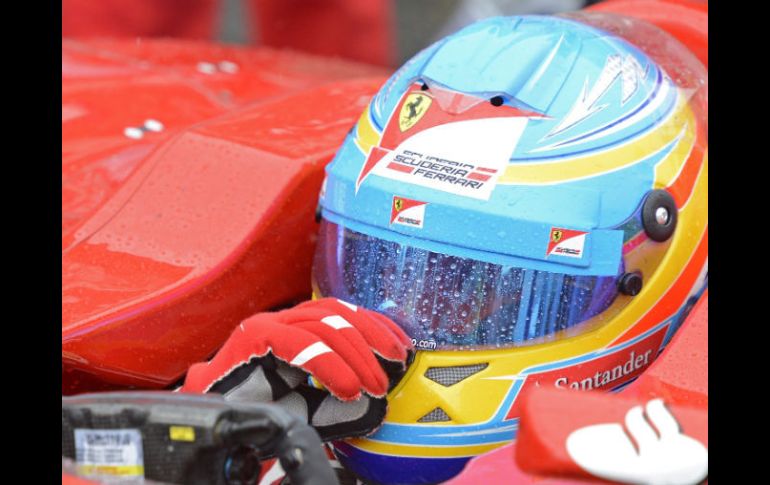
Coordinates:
(116, 452)
(413, 108)
(407, 212)
(604, 371)
(428, 344)
(181, 433)
(566, 242)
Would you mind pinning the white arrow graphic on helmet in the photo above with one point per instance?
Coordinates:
(628, 70)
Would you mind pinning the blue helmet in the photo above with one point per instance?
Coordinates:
(510, 197)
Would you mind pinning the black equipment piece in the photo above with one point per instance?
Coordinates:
(190, 439)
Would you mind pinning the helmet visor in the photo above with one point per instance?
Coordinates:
(449, 302)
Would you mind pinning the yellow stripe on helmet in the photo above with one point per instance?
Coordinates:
(433, 451)
(367, 135)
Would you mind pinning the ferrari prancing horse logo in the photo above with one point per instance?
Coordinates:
(407, 212)
(566, 242)
(414, 107)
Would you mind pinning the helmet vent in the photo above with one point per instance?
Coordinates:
(435, 416)
(449, 376)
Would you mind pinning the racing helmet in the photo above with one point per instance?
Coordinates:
(527, 199)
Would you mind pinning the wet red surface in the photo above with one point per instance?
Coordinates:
(170, 237)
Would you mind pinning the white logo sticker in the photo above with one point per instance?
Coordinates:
(664, 456)
(464, 158)
(109, 452)
(566, 242)
(407, 212)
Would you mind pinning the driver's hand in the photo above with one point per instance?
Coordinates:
(326, 360)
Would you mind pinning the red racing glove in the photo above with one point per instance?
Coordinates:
(326, 360)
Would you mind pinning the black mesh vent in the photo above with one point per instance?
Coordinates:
(435, 416)
(449, 376)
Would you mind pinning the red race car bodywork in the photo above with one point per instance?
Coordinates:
(188, 196)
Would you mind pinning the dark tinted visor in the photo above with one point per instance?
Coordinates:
(448, 302)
